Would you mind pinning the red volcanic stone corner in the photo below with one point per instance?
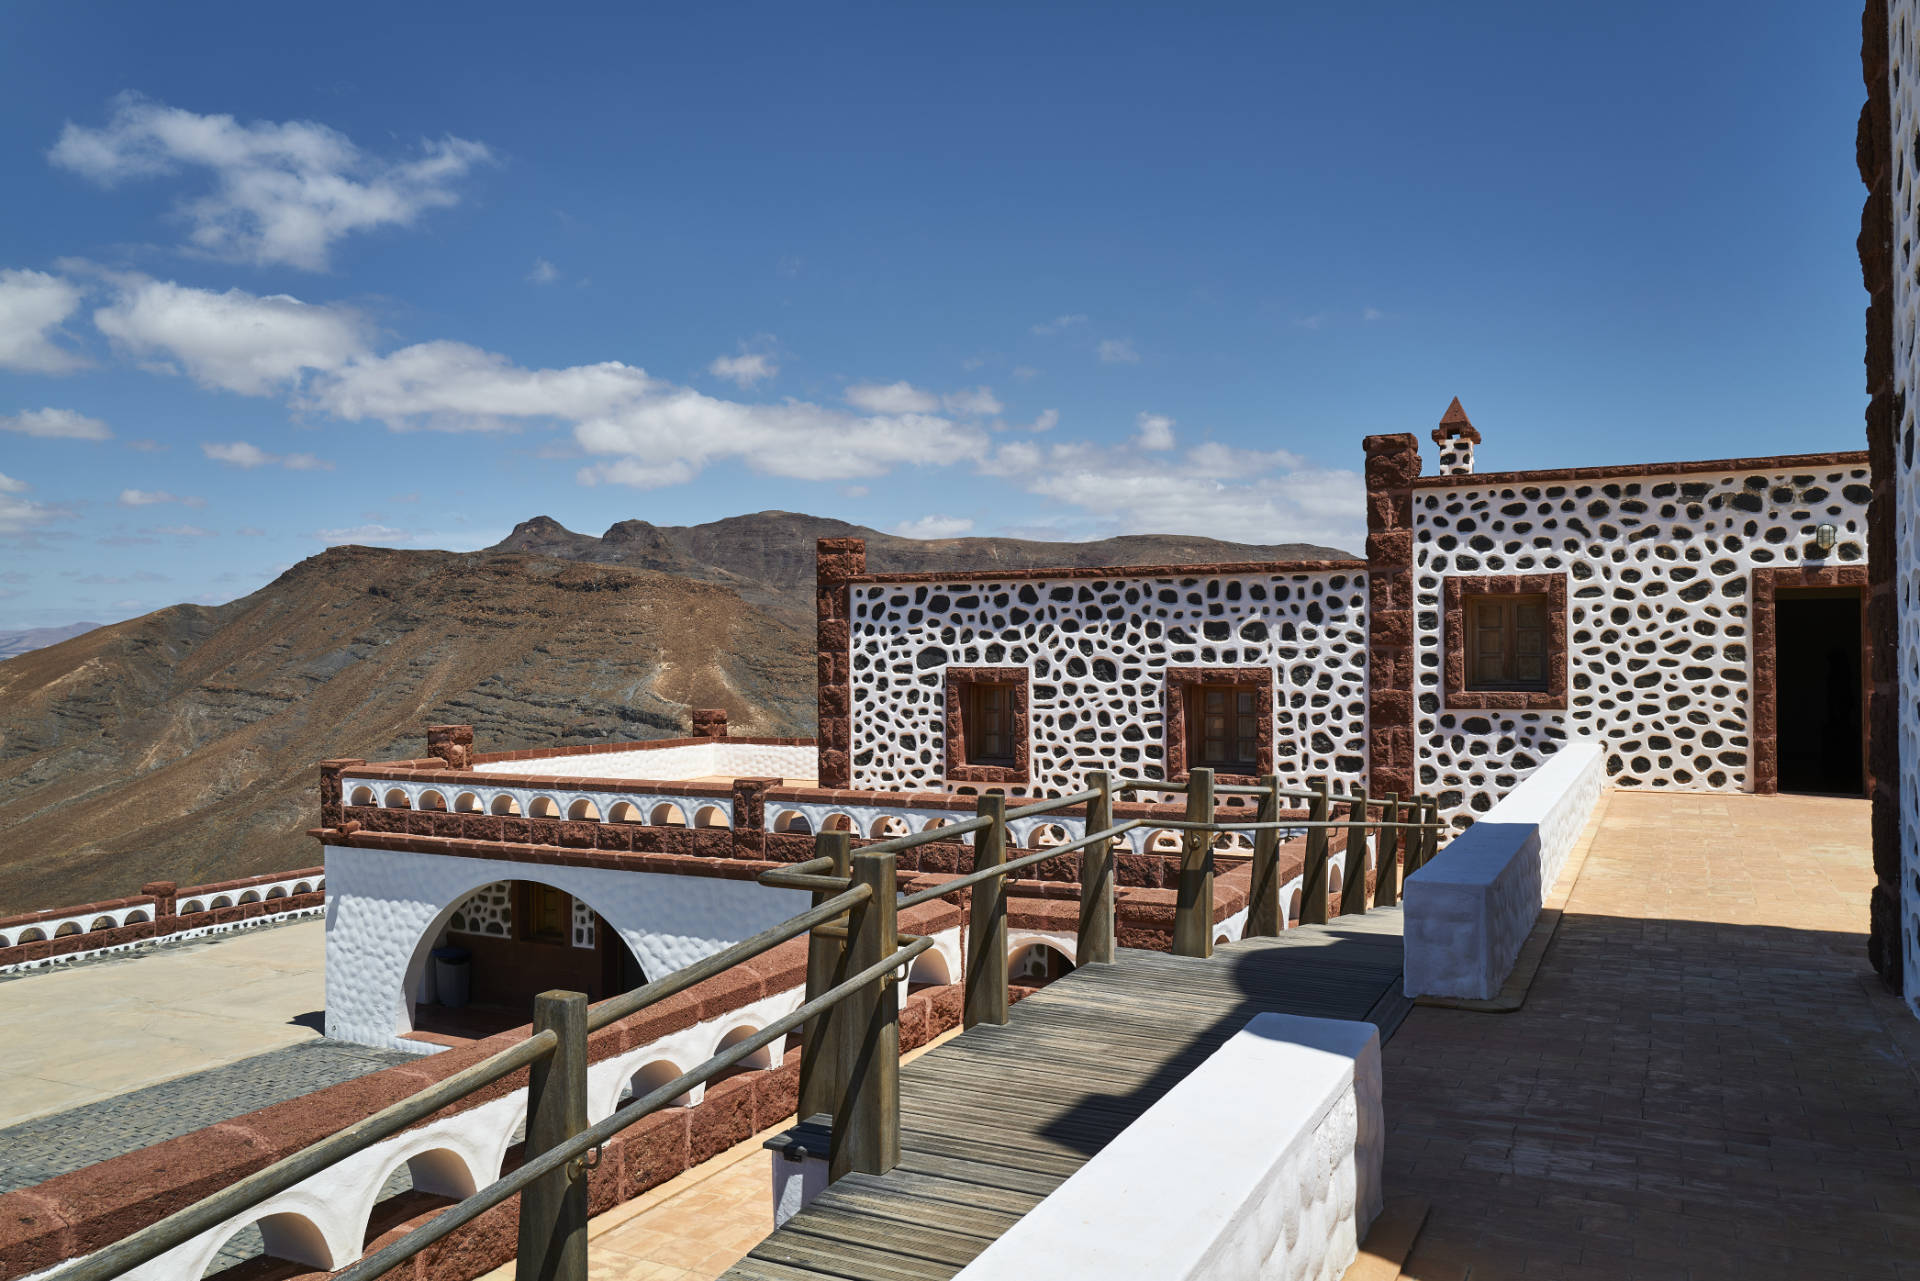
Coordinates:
(724, 1117)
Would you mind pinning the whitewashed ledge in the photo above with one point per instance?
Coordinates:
(1468, 912)
(1264, 1162)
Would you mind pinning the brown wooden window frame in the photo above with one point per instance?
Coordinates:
(961, 685)
(1181, 681)
(1458, 690)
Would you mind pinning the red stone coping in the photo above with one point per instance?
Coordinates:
(641, 745)
(1198, 570)
(79, 909)
(1636, 471)
(160, 927)
(467, 780)
(248, 882)
(82, 1211)
(967, 804)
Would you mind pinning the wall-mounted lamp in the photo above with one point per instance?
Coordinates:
(1825, 537)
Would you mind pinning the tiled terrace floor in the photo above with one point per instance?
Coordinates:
(1705, 1081)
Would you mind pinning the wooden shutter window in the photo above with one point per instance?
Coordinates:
(989, 732)
(1507, 642)
(1223, 728)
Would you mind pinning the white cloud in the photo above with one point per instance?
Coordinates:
(239, 453)
(1047, 421)
(243, 454)
(144, 497)
(746, 369)
(1025, 373)
(379, 535)
(934, 527)
(182, 531)
(32, 305)
(1156, 431)
(1117, 351)
(8, 485)
(543, 273)
(892, 398)
(450, 386)
(977, 402)
(1213, 490)
(55, 424)
(235, 341)
(251, 531)
(21, 515)
(1372, 313)
(1058, 325)
(282, 193)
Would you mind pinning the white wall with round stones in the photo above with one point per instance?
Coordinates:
(1096, 650)
(1658, 642)
(1903, 33)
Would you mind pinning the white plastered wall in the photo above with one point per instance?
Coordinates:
(383, 905)
(1658, 572)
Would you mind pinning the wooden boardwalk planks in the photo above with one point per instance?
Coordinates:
(997, 1118)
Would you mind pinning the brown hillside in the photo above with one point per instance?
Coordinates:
(182, 744)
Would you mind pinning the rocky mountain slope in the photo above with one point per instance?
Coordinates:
(181, 745)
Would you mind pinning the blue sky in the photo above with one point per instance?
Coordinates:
(272, 278)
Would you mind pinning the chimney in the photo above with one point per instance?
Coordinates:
(452, 744)
(1456, 437)
(709, 722)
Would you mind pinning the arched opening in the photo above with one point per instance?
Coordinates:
(934, 824)
(793, 821)
(101, 923)
(623, 812)
(711, 816)
(424, 1182)
(362, 796)
(760, 1059)
(929, 969)
(584, 811)
(544, 807)
(32, 935)
(250, 896)
(476, 970)
(1048, 835)
(667, 814)
(192, 905)
(289, 1236)
(432, 800)
(837, 822)
(468, 803)
(5, 942)
(67, 929)
(889, 825)
(136, 917)
(651, 1077)
(223, 900)
(302, 887)
(277, 892)
(1037, 964)
(1163, 842)
(397, 799)
(505, 806)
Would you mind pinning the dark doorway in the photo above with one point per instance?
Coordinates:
(1819, 690)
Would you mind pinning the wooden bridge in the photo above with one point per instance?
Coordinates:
(994, 1120)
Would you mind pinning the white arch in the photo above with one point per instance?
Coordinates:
(250, 896)
(543, 807)
(32, 934)
(651, 1076)
(793, 821)
(362, 795)
(504, 804)
(711, 816)
(468, 803)
(931, 968)
(767, 1057)
(433, 800)
(623, 812)
(667, 814)
(397, 799)
(101, 923)
(583, 810)
(889, 825)
(278, 891)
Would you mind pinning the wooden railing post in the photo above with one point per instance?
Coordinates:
(1386, 886)
(1263, 891)
(986, 993)
(866, 1124)
(553, 1209)
(1313, 871)
(1096, 879)
(1353, 871)
(826, 966)
(1193, 906)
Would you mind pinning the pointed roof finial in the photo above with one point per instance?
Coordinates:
(1455, 423)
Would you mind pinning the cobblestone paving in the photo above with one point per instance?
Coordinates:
(1705, 1082)
(37, 1150)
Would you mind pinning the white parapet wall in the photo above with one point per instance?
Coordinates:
(1265, 1162)
(1469, 911)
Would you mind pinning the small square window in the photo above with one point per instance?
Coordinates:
(989, 713)
(1507, 642)
(1223, 728)
(544, 914)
